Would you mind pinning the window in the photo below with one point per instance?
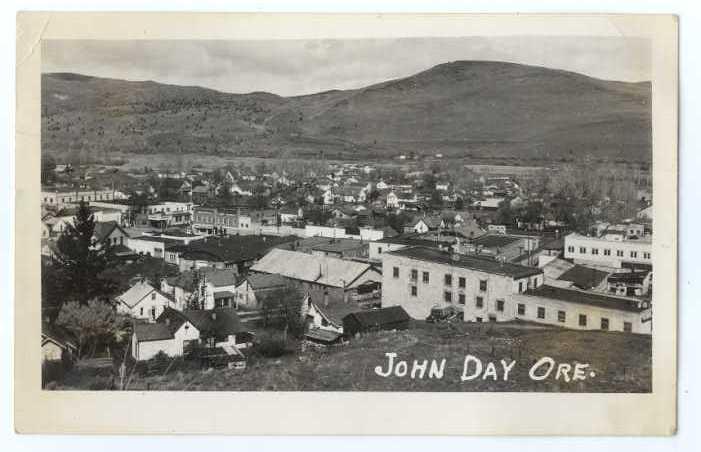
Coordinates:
(379, 250)
(153, 312)
(395, 272)
(607, 252)
(633, 254)
(582, 320)
(461, 282)
(595, 251)
(478, 319)
(646, 255)
(582, 250)
(461, 298)
(483, 285)
(619, 253)
(153, 296)
(414, 274)
(627, 327)
(413, 291)
(324, 322)
(570, 249)
(500, 305)
(479, 302)
(541, 313)
(425, 277)
(141, 311)
(521, 309)
(448, 280)
(448, 296)
(604, 324)
(561, 316)
(520, 286)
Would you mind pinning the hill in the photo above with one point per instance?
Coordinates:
(461, 109)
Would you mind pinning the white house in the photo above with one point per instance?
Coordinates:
(143, 301)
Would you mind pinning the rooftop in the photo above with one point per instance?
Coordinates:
(478, 263)
(495, 240)
(587, 298)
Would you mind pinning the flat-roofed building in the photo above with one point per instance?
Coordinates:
(575, 309)
(418, 278)
(607, 251)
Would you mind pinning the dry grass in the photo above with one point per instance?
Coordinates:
(622, 363)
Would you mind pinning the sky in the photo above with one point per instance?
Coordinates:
(295, 67)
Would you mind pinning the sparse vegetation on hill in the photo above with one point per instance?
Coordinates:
(470, 109)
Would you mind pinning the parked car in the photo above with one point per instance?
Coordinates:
(445, 313)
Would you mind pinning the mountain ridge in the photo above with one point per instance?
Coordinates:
(516, 111)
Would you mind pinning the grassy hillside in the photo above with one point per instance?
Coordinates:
(462, 108)
(621, 362)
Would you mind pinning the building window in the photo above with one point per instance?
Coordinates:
(461, 282)
(483, 285)
(646, 255)
(379, 250)
(604, 324)
(395, 272)
(582, 250)
(448, 296)
(461, 298)
(520, 286)
(448, 280)
(414, 274)
(619, 253)
(561, 316)
(595, 251)
(413, 291)
(607, 252)
(570, 249)
(425, 277)
(141, 311)
(633, 254)
(541, 313)
(153, 296)
(500, 305)
(582, 320)
(479, 302)
(521, 309)
(478, 319)
(627, 327)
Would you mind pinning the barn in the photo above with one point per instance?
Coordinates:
(389, 318)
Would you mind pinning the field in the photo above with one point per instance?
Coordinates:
(617, 362)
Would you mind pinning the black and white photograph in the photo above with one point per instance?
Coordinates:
(412, 214)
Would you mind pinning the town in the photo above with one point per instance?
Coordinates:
(145, 270)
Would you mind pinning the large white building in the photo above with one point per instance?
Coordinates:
(418, 278)
(577, 309)
(610, 250)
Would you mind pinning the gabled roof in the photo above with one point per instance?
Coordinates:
(145, 332)
(317, 334)
(104, 228)
(57, 334)
(328, 271)
(335, 310)
(259, 281)
(136, 293)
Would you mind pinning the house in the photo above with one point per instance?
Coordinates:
(389, 318)
(428, 223)
(392, 201)
(631, 284)
(418, 278)
(253, 290)
(58, 344)
(577, 309)
(176, 332)
(320, 276)
(143, 301)
(215, 288)
(109, 232)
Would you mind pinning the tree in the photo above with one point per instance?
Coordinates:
(93, 323)
(80, 260)
(459, 204)
(286, 304)
(436, 199)
(504, 213)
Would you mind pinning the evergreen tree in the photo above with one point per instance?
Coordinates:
(80, 261)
